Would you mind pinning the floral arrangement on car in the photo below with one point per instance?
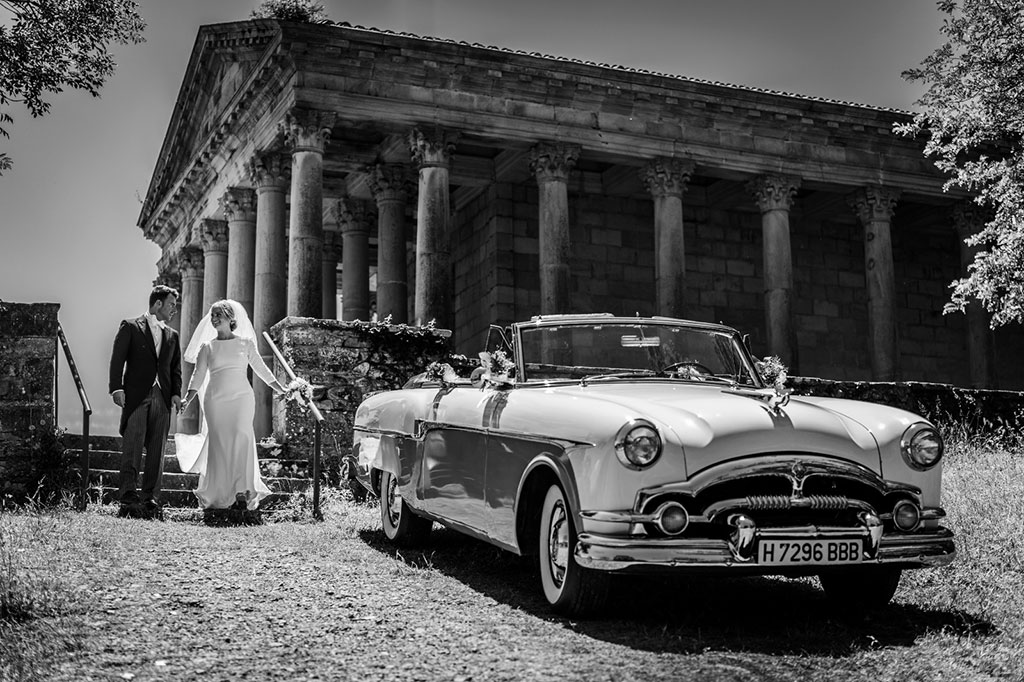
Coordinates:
(441, 372)
(496, 369)
(774, 373)
(298, 391)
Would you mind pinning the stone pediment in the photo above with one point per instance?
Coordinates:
(223, 59)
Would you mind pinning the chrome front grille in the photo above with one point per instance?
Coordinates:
(783, 502)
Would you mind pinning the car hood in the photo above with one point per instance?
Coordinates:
(718, 423)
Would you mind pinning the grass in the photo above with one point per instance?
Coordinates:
(89, 596)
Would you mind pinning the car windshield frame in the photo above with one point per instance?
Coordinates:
(637, 345)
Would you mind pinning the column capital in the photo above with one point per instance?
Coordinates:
(353, 215)
(874, 202)
(666, 177)
(389, 182)
(969, 218)
(190, 263)
(774, 192)
(213, 235)
(269, 170)
(239, 203)
(169, 275)
(307, 130)
(552, 161)
(332, 246)
(432, 147)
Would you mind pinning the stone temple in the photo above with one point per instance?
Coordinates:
(426, 179)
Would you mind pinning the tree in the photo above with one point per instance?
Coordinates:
(307, 11)
(973, 118)
(49, 45)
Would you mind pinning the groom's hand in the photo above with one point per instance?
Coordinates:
(118, 397)
(176, 402)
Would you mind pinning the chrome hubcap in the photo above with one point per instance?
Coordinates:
(394, 501)
(558, 543)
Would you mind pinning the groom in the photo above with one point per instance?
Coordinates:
(145, 382)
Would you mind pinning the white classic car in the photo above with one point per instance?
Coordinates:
(606, 444)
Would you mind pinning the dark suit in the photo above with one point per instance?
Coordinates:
(145, 417)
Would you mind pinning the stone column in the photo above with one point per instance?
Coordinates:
(968, 220)
(239, 206)
(874, 206)
(190, 311)
(213, 235)
(306, 133)
(666, 180)
(268, 172)
(355, 218)
(551, 163)
(332, 254)
(432, 152)
(390, 187)
(774, 196)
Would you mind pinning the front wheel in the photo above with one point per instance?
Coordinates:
(569, 588)
(857, 589)
(400, 524)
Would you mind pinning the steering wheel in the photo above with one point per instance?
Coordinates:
(701, 369)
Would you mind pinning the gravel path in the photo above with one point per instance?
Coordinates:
(178, 600)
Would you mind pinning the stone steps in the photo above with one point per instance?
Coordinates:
(177, 486)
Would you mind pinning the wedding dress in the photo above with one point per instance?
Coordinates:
(223, 453)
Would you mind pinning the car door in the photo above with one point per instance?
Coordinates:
(452, 471)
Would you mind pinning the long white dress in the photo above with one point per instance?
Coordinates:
(226, 460)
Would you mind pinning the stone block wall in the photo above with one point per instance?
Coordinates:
(28, 353)
(345, 361)
(495, 259)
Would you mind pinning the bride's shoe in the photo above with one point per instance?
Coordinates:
(241, 503)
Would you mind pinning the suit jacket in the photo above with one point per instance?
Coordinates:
(134, 365)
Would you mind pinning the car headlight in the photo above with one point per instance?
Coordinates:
(921, 446)
(638, 444)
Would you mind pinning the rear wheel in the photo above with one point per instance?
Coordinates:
(569, 588)
(867, 587)
(400, 524)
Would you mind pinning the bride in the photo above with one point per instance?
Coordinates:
(223, 453)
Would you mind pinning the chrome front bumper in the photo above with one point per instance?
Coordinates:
(622, 553)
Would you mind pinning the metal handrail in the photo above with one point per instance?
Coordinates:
(86, 412)
(318, 417)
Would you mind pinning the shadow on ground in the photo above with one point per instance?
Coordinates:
(690, 615)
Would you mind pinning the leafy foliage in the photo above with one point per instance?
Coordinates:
(973, 117)
(306, 11)
(49, 45)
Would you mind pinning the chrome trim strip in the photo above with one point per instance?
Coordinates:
(423, 426)
(382, 432)
(614, 553)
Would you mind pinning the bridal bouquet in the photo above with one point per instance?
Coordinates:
(298, 391)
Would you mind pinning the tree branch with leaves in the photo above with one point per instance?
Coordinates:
(972, 116)
(49, 45)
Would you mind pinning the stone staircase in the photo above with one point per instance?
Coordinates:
(284, 476)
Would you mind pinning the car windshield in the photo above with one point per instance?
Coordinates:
(600, 351)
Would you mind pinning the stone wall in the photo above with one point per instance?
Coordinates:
(28, 348)
(495, 259)
(345, 361)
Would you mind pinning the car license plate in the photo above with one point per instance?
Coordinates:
(809, 552)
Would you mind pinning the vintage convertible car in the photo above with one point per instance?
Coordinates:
(607, 444)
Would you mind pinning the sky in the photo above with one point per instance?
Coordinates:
(68, 208)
